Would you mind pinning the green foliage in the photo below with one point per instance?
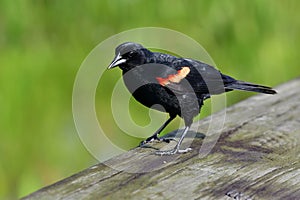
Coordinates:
(42, 44)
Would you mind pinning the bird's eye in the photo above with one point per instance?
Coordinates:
(131, 54)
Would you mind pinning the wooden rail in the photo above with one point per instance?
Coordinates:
(257, 156)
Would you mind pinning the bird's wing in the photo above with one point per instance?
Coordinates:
(191, 76)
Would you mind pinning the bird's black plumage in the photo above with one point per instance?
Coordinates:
(179, 85)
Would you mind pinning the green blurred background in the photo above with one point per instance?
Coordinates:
(42, 44)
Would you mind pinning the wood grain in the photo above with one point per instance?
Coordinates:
(257, 156)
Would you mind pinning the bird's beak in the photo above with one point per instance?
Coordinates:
(117, 61)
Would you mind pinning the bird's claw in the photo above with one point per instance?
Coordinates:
(155, 138)
(167, 140)
(173, 151)
(184, 150)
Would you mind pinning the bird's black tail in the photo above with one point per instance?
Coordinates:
(241, 85)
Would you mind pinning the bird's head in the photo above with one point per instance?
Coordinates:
(129, 55)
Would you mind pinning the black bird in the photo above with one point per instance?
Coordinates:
(179, 85)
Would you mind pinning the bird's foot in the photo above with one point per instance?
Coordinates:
(173, 151)
(155, 138)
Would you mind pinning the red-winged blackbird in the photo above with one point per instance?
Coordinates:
(179, 85)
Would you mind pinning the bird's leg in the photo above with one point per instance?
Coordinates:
(155, 135)
(177, 147)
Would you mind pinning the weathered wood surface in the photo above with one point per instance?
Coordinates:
(256, 157)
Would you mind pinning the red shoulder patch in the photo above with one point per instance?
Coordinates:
(174, 78)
